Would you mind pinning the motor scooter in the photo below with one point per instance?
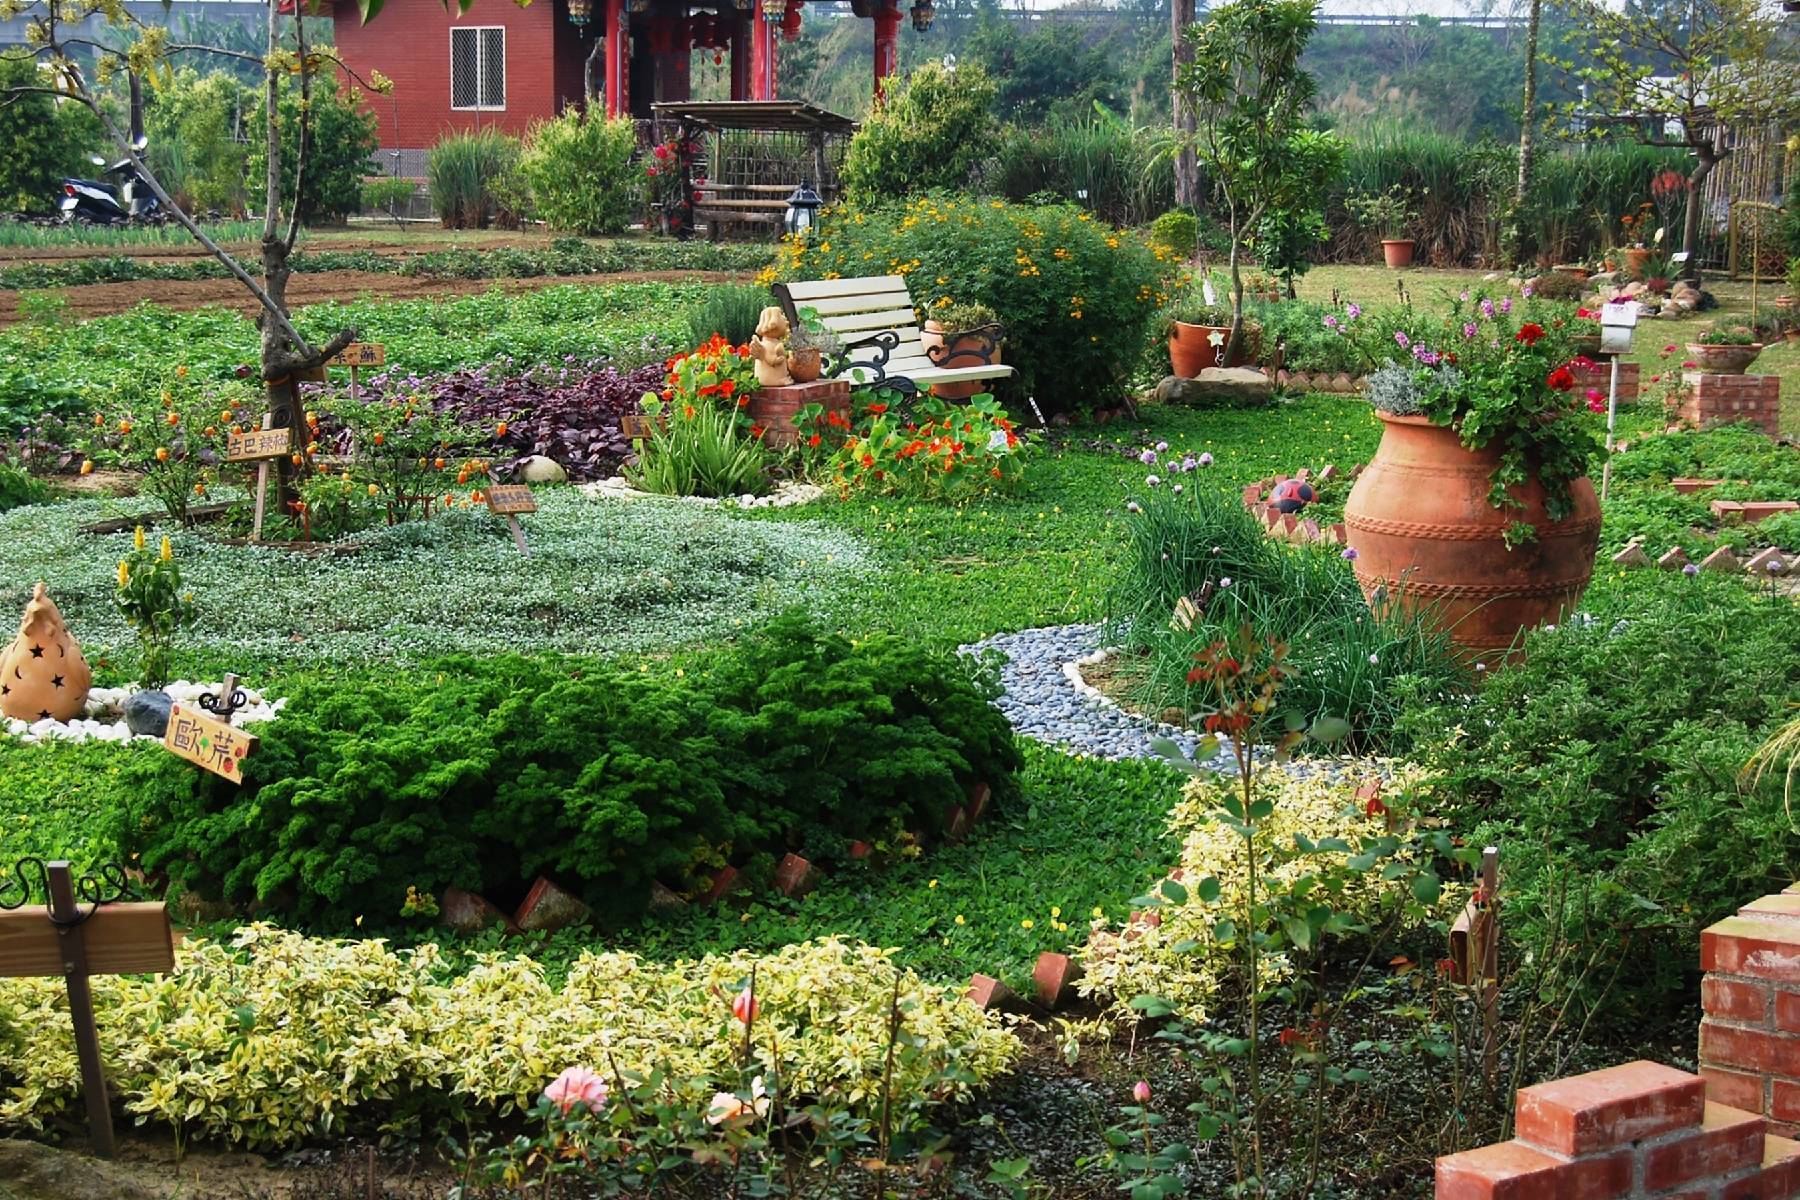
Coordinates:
(96, 202)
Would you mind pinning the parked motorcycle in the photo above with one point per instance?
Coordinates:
(97, 202)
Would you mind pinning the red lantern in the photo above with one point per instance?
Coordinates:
(790, 21)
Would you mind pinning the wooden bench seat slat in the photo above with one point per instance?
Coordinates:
(895, 319)
(755, 205)
(815, 289)
(848, 306)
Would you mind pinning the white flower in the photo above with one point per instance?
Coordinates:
(1132, 506)
(1225, 581)
(1151, 481)
(1374, 658)
(1176, 489)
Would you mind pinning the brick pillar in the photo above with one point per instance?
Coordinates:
(1639, 1131)
(1750, 1037)
(1724, 399)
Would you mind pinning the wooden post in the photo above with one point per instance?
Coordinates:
(262, 486)
(818, 159)
(65, 913)
(1487, 954)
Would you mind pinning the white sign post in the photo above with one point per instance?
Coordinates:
(1616, 324)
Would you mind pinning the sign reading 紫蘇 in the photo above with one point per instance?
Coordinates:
(359, 354)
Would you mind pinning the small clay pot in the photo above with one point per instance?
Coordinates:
(805, 364)
(1635, 263)
(1397, 253)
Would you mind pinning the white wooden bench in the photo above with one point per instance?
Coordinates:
(875, 317)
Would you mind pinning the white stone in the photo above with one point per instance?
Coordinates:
(104, 718)
(538, 469)
(787, 493)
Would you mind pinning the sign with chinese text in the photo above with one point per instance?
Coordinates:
(255, 444)
(506, 498)
(359, 354)
(209, 742)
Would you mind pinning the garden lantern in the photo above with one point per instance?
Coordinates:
(773, 10)
(921, 12)
(802, 207)
(580, 12)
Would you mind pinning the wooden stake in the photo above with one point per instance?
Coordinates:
(65, 912)
(518, 533)
(262, 485)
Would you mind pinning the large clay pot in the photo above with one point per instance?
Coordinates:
(1723, 360)
(1637, 260)
(962, 350)
(805, 364)
(42, 674)
(1192, 348)
(1423, 530)
(1397, 253)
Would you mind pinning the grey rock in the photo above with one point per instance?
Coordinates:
(147, 712)
(538, 469)
(1236, 385)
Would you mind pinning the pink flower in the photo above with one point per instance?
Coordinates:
(577, 1085)
(1689, 365)
(745, 1007)
(1140, 1091)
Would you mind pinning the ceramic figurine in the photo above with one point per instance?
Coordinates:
(1291, 495)
(769, 348)
(42, 674)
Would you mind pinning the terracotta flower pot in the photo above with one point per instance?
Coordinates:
(806, 364)
(1636, 260)
(1193, 348)
(1423, 530)
(1398, 253)
(963, 350)
(1723, 360)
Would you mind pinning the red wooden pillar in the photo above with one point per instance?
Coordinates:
(740, 34)
(887, 43)
(762, 56)
(613, 29)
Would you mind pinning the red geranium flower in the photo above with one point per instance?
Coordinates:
(1562, 379)
(1529, 333)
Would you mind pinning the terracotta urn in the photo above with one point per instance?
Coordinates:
(806, 364)
(1723, 360)
(45, 677)
(1192, 348)
(1397, 253)
(1637, 260)
(956, 350)
(1426, 538)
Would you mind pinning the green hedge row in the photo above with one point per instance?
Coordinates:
(484, 773)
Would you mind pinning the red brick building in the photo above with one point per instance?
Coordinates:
(502, 66)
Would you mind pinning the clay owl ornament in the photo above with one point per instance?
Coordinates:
(42, 674)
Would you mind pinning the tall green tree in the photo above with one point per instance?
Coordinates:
(1051, 68)
(1249, 98)
(43, 140)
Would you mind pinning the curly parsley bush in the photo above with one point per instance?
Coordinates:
(1077, 297)
(484, 773)
(274, 1038)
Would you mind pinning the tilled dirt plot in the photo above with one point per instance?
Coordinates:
(101, 299)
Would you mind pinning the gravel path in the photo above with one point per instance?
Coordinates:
(1044, 701)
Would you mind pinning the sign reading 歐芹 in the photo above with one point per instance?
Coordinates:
(208, 742)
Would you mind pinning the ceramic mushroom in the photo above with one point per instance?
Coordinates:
(42, 674)
(769, 348)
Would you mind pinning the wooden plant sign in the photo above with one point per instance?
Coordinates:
(637, 425)
(506, 498)
(509, 500)
(359, 354)
(78, 933)
(209, 742)
(254, 445)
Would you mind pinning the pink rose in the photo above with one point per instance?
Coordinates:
(577, 1085)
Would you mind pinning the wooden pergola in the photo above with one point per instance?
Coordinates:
(756, 190)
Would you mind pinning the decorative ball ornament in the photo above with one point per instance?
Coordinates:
(44, 675)
(581, 12)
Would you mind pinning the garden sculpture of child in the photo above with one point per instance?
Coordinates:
(1292, 495)
(769, 349)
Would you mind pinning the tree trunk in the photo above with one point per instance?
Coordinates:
(1705, 159)
(1517, 241)
(1237, 287)
(1187, 172)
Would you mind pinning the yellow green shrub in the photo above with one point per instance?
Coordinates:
(1182, 960)
(274, 1037)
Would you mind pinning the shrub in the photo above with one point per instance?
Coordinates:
(272, 1038)
(196, 143)
(470, 175)
(41, 141)
(919, 446)
(701, 442)
(18, 487)
(482, 773)
(1178, 232)
(1078, 298)
(1558, 285)
(580, 172)
(343, 137)
(930, 133)
(1314, 826)
(169, 428)
(1605, 766)
(568, 414)
(1202, 545)
(1115, 164)
(730, 311)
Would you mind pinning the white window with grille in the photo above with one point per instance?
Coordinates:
(478, 67)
